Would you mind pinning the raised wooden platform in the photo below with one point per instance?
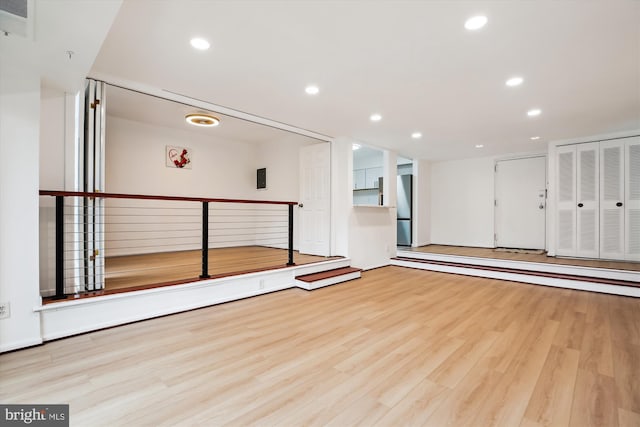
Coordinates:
(607, 280)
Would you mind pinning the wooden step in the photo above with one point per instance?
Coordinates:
(597, 284)
(530, 272)
(326, 278)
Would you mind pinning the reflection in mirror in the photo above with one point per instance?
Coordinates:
(144, 133)
(150, 148)
(368, 172)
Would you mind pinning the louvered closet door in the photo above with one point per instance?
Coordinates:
(612, 191)
(632, 199)
(566, 201)
(587, 235)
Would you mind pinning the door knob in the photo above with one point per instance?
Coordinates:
(300, 205)
(619, 204)
(580, 205)
(541, 206)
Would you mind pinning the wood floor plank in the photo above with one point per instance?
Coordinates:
(460, 362)
(628, 418)
(596, 350)
(550, 404)
(415, 407)
(626, 367)
(507, 402)
(399, 347)
(571, 330)
(594, 401)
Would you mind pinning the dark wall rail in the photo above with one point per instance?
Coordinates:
(93, 221)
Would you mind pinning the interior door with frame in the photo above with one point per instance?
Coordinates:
(315, 202)
(521, 203)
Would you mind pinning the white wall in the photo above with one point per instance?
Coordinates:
(367, 234)
(52, 177)
(52, 140)
(341, 195)
(462, 194)
(421, 203)
(19, 143)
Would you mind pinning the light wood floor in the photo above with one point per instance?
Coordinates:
(399, 347)
(137, 270)
(492, 253)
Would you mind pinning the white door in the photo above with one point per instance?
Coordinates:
(314, 207)
(612, 199)
(566, 201)
(587, 233)
(520, 203)
(632, 199)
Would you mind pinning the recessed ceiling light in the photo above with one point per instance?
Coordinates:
(200, 44)
(514, 81)
(479, 145)
(355, 147)
(312, 90)
(416, 135)
(202, 120)
(534, 112)
(533, 138)
(375, 117)
(475, 22)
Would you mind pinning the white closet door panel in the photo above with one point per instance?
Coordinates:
(566, 232)
(587, 232)
(612, 210)
(632, 199)
(566, 201)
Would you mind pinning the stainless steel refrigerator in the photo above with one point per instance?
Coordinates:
(405, 207)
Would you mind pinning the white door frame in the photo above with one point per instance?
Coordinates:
(545, 200)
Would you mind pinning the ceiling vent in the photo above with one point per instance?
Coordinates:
(16, 17)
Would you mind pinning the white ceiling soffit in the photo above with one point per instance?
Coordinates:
(60, 40)
(411, 61)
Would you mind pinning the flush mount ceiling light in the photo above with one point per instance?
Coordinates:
(416, 135)
(199, 119)
(375, 117)
(534, 112)
(200, 44)
(475, 22)
(312, 90)
(514, 81)
(355, 147)
(533, 138)
(479, 145)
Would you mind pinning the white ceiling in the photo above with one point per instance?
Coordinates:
(56, 28)
(411, 61)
